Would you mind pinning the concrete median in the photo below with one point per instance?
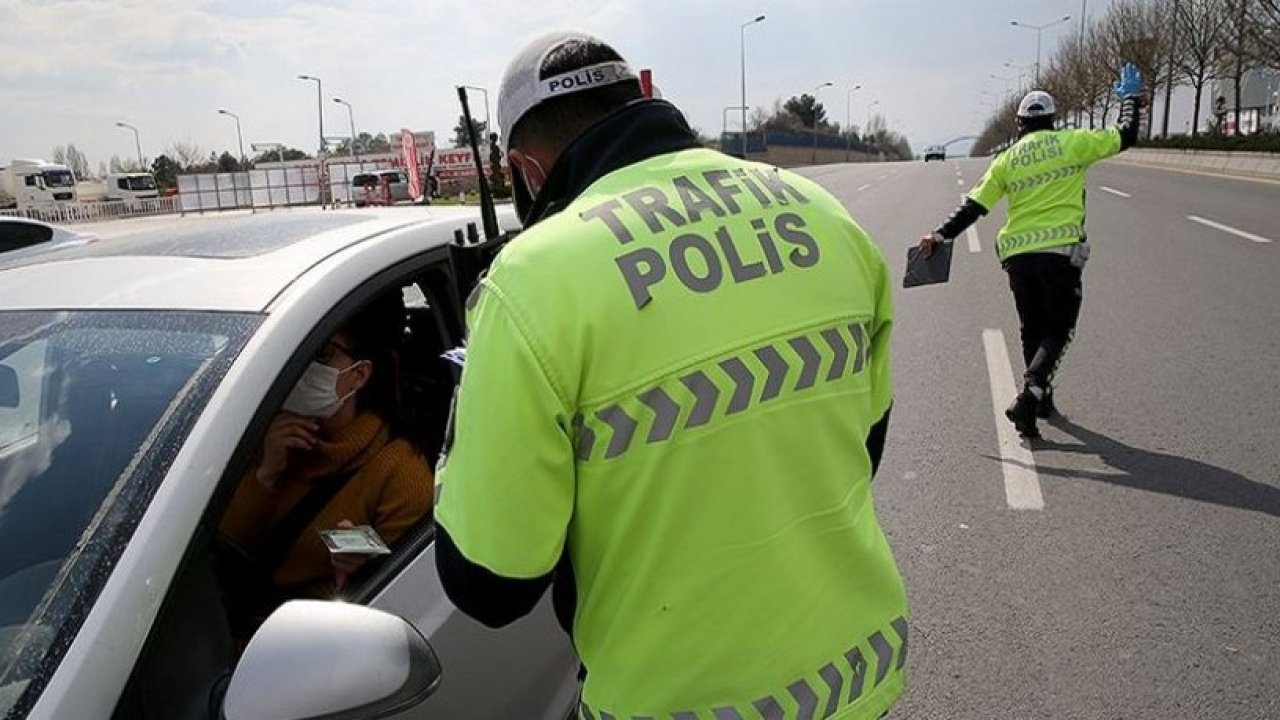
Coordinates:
(1242, 164)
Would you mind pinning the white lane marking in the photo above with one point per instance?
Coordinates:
(960, 181)
(1021, 482)
(864, 187)
(1114, 191)
(974, 245)
(1228, 229)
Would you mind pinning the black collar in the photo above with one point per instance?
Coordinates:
(641, 130)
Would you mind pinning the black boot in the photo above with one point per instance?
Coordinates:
(1023, 414)
(1045, 408)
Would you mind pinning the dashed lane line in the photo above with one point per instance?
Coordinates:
(1021, 481)
(1228, 229)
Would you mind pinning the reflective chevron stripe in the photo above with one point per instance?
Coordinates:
(1044, 178)
(1038, 239)
(723, 389)
(807, 698)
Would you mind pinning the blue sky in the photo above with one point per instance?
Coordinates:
(69, 69)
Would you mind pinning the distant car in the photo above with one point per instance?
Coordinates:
(21, 237)
(137, 377)
(365, 185)
(936, 152)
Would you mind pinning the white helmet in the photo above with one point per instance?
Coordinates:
(1037, 103)
(525, 84)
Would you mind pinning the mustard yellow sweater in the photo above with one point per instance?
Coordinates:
(391, 489)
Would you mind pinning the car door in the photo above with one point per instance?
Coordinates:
(525, 671)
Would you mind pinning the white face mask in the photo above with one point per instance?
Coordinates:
(316, 394)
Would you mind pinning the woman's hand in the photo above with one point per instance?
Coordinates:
(346, 564)
(287, 432)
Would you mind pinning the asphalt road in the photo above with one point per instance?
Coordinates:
(1148, 583)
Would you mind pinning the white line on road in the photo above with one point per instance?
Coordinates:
(1228, 229)
(960, 181)
(864, 187)
(1113, 191)
(974, 245)
(1021, 482)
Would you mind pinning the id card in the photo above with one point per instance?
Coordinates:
(362, 540)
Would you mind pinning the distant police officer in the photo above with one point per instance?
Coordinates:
(1043, 244)
(675, 395)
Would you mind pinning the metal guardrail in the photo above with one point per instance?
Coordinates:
(97, 211)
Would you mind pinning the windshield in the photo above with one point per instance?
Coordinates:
(93, 408)
(59, 178)
(142, 183)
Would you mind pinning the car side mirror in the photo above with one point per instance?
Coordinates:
(331, 660)
(10, 397)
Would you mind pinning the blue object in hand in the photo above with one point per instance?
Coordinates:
(1130, 83)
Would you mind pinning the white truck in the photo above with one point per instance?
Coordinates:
(132, 189)
(36, 184)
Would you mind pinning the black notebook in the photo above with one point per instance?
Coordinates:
(935, 269)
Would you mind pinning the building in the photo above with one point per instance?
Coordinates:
(1258, 102)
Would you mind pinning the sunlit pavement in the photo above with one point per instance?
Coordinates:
(1147, 585)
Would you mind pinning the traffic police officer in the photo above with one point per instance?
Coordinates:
(1043, 246)
(676, 392)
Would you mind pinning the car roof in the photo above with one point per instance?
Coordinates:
(236, 262)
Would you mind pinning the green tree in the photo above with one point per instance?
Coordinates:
(460, 136)
(166, 171)
(228, 163)
(270, 156)
(807, 110)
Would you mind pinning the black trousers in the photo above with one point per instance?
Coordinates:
(1047, 290)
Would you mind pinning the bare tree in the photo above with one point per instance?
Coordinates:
(1103, 62)
(1264, 26)
(126, 165)
(75, 160)
(1201, 25)
(1136, 33)
(186, 153)
(1238, 52)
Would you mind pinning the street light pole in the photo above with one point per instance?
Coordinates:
(137, 142)
(351, 116)
(848, 120)
(1039, 29)
(239, 135)
(743, 47)
(319, 106)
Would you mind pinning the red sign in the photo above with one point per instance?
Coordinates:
(409, 153)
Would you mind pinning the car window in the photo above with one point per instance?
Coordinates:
(105, 400)
(19, 425)
(18, 235)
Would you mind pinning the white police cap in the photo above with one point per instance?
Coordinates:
(524, 85)
(1037, 103)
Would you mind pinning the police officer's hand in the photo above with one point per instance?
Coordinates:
(928, 243)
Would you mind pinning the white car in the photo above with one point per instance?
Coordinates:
(21, 236)
(137, 376)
